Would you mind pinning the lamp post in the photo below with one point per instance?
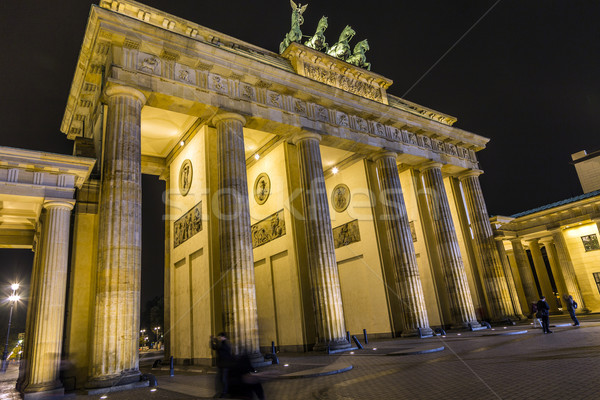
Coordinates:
(156, 330)
(13, 298)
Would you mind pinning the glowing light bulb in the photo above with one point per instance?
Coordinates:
(334, 170)
(182, 143)
(14, 286)
(256, 156)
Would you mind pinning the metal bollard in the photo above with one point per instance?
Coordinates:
(365, 335)
(272, 347)
(360, 346)
(172, 370)
(348, 336)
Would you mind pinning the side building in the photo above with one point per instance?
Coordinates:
(554, 249)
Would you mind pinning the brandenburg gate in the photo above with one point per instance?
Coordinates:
(302, 201)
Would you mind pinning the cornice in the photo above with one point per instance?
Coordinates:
(163, 54)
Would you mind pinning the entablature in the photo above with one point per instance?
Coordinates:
(125, 46)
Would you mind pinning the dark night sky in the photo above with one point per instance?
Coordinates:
(525, 76)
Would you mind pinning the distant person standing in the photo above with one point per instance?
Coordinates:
(543, 312)
(571, 307)
(224, 362)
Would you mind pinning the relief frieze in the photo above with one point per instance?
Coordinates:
(268, 229)
(346, 234)
(187, 225)
(343, 82)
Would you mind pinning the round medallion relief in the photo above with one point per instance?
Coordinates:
(262, 188)
(340, 197)
(185, 177)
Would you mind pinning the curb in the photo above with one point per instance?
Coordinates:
(413, 352)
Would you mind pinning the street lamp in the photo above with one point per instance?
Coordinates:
(13, 298)
(156, 330)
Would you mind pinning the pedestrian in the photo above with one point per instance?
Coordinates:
(543, 312)
(243, 382)
(224, 361)
(571, 307)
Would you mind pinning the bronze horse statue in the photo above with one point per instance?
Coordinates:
(341, 49)
(359, 58)
(295, 34)
(317, 41)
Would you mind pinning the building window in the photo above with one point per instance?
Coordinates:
(597, 279)
(590, 242)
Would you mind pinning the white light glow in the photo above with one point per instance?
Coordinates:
(286, 365)
(153, 390)
(256, 156)
(351, 352)
(182, 143)
(334, 170)
(14, 286)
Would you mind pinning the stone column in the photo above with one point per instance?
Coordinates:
(327, 296)
(568, 272)
(167, 271)
(461, 302)
(542, 274)
(527, 279)
(510, 281)
(548, 243)
(406, 270)
(494, 279)
(50, 281)
(114, 356)
(240, 317)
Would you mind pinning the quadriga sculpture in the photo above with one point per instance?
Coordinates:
(359, 58)
(295, 34)
(341, 49)
(317, 41)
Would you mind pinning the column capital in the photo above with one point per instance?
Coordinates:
(546, 240)
(58, 203)
(516, 240)
(306, 136)
(384, 154)
(429, 165)
(228, 115)
(469, 173)
(116, 90)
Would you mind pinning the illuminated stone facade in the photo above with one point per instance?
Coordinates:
(560, 242)
(302, 201)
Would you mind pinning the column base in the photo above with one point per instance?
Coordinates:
(332, 345)
(43, 393)
(257, 360)
(471, 325)
(422, 332)
(113, 381)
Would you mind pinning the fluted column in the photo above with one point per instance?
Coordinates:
(494, 279)
(327, 296)
(559, 280)
(406, 270)
(568, 272)
(510, 280)
(461, 302)
(114, 354)
(240, 317)
(527, 279)
(542, 274)
(50, 281)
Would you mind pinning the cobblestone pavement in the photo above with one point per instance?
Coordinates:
(473, 365)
